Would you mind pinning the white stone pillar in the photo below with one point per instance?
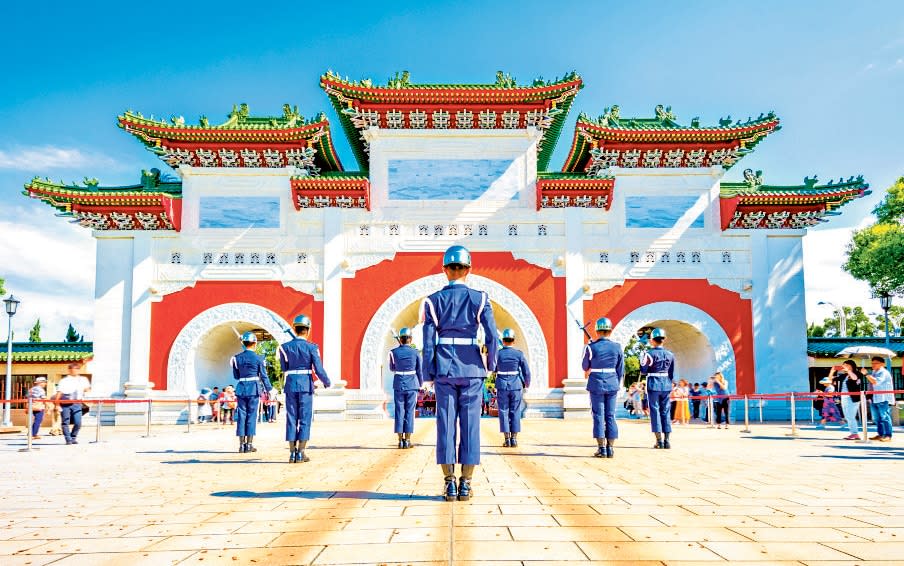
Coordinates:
(331, 403)
(575, 401)
(142, 274)
(112, 313)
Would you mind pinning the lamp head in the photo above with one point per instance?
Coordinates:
(12, 303)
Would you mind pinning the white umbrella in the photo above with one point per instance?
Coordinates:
(866, 351)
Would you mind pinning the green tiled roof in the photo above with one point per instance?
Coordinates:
(753, 185)
(829, 347)
(34, 352)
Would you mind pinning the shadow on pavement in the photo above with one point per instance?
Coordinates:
(327, 495)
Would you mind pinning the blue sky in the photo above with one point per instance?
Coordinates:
(832, 71)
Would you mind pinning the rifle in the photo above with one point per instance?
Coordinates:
(395, 335)
(583, 327)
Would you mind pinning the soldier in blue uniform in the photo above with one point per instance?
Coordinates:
(453, 361)
(604, 361)
(300, 362)
(512, 378)
(658, 365)
(405, 363)
(251, 372)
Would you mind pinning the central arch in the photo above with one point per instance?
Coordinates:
(379, 327)
(182, 365)
(693, 329)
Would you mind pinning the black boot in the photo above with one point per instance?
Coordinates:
(250, 447)
(464, 483)
(508, 439)
(610, 448)
(665, 442)
(292, 452)
(514, 442)
(299, 454)
(658, 440)
(242, 445)
(401, 440)
(450, 491)
(600, 448)
(408, 440)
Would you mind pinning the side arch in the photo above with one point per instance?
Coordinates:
(379, 326)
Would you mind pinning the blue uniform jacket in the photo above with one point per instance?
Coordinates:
(658, 364)
(299, 354)
(249, 369)
(455, 312)
(606, 362)
(402, 360)
(510, 359)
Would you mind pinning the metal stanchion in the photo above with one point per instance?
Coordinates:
(29, 419)
(147, 433)
(812, 418)
(712, 415)
(99, 410)
(188, 417)
(793, 418)
(761, 409)
(864, 418)
(746, 415)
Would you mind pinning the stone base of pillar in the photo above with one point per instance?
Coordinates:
(366, 404)
(575, 399)
(331, 404)
(543, 404)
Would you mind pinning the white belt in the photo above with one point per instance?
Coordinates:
(659, 374)
(299, 372)
(249, 378)
(507, 372)
(458, 341)
(412, 372)
(603, 370)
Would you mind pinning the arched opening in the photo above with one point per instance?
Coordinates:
(216, 347)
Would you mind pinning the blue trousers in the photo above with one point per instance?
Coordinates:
(602, 406)
(299, 414)
(458, 413)
(71, 414)
(660, 411)
(882, 417)
(404, 403)
(36, 418)
(246, 415)
(509, 403)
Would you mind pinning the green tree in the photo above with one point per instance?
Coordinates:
(268, 349)
(2, 289)
(35, 334)
(632, 360)
(876, 253)
(72, 335)
(857, 321)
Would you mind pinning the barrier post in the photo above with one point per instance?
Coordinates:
(864, 417)
(793, 418)
(29, 419)
(746, 415)
(710, 412)
(188, 419)
(761, 409)
(99, 408)
(147, 433)
(812, 418)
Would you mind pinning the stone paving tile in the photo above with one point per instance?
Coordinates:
(683, 534)
(870, 550)
(213, 542)
(636, 520)
(78, 545)
(286, 526)
(120, 558)
(459, 534)
(568, 534)
(518, 550)
(284, 556)
(877, 534)
(312, 538)
(424, 551)
(800, 550)
(624, 551)
(185, 529)
(22, 533)
(75, 531)
(809, 521)
(17, 546)
(504, 521)
(792, 534)
(709, 521)
(29, 560)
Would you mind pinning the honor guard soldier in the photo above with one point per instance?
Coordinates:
(453, 361)
(405, 363)
(658, 364)
(512, 378)
(300, 362)
(604, 361)
(251, 372)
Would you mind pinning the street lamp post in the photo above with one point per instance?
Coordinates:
(885, 303)
(842, 318)
(11, 305)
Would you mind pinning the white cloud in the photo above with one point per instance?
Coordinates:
(41, 158)
(825, 280)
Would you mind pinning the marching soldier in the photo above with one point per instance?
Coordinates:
(405, 363)
(512, 377)
(605, 363)
(299, 360)
(251, 372)
(453, 360)
(658, 364)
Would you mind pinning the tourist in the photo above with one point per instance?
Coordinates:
(70, 391)
(485, 405)
(512, 378)
(250, 370)
(272, 405)
(720, 399)
(214, 399)
(300, 362)
(830, 412)
(38, 396)
(604, 363)
(228, 404)
(204, 411)
(407, 380)
(452, 317)
(629, 399)
(642, 399)
(658, 364)
(682, 412)
(851, 382)
(880, 380)
(695, 401)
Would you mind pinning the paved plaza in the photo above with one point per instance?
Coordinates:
(190, 498)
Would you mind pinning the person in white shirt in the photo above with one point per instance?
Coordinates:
(880, 380)
(72, 388)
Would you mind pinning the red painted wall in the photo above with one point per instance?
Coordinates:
(169, 316)
(371, 287)
(733, 313)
